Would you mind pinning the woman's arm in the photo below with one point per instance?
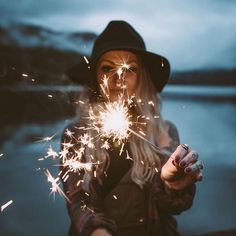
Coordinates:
(170, 200)
(84, 208)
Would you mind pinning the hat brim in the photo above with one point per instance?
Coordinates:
(158, 66)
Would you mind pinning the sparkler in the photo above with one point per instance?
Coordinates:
(111, 121)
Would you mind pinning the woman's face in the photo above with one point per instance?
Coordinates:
(117, 73)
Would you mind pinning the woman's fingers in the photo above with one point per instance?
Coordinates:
(197, 166)
(191, 157)
(179, 153)
(195, 169)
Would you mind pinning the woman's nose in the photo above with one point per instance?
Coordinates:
(118, 79)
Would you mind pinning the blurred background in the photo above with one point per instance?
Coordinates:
(39, 40)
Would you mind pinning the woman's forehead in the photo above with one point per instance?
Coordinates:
(119, 55)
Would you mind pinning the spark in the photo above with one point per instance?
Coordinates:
(128, 156)
(151, 103)
(125, 66)
(6, 205)
(87, 140)
(112, 121)
(75, 165)
(114, 196)
(86, 60)
(47, 139)
(105, 81)
(141, 132)
(1, 154)
(122, 148)
(24, 75)
(51, 153)
(119, 71)
(69, 133)
(55, 185)
(106, 145)
(50, 96)
(79, 182)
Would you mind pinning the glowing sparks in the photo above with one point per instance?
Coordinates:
(114, 196)
(4, 206)
(112, 121)
(24, 75)
(51, 153)
(55, 185)
(151, 103)
(50, 96)
(69, 133)
(1, 154)
(75, 165)
(47, 139)
(86, 60)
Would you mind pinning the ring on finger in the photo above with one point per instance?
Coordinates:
(185, 146)
(200, 165)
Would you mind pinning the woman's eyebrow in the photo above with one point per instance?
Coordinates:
(128, 62)
(106, 60)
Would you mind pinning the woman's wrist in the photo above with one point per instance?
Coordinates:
(101, 232)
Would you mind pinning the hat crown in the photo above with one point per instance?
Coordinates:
(118, 35)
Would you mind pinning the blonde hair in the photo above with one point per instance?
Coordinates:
(146, 160)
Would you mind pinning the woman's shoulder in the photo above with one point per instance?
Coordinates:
(172, 134)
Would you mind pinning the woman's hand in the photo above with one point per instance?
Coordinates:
(182, 169)
(100, 232)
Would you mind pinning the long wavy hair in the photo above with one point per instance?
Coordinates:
(146, 160)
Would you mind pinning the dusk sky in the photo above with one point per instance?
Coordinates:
(192, 34)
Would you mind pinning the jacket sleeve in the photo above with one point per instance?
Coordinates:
(169, 200)
(85, 209)
(172, 201)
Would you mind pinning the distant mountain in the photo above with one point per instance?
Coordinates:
(30, 36)
(217, 77)
(32, 54)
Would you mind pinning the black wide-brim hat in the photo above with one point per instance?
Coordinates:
(119, 35)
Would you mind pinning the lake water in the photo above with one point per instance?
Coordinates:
(206, 123)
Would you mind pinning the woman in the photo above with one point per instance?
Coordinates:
(137, 183)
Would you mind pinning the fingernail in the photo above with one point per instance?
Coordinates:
(188, 169)
(200, 178)
(173, 162)
(177, 158)
(182, 164)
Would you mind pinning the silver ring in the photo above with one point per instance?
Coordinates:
(185, 146)
(200, 165)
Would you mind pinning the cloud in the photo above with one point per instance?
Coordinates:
(192, 34)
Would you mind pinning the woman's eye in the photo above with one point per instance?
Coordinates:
(133, 69)
(106, 69)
